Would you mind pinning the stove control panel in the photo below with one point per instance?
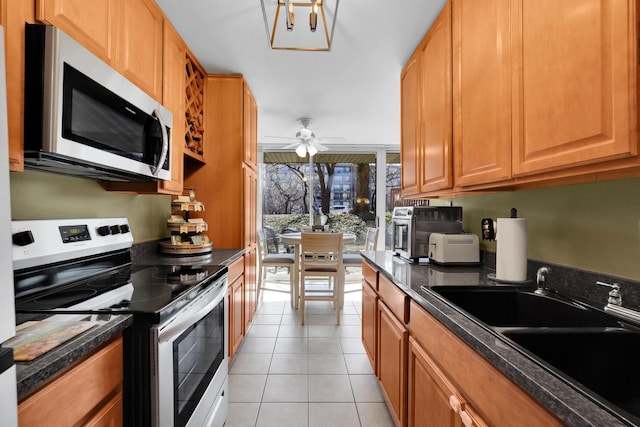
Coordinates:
(39, 242)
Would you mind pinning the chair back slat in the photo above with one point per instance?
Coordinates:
(321, 251)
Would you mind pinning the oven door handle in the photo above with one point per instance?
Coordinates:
(190, 315)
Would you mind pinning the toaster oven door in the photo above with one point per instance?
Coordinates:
(402, 237)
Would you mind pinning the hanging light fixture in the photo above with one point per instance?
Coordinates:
(313, 16)
(322, 13)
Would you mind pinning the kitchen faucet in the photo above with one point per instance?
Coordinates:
(541, 277)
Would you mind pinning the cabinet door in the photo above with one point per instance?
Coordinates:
(13, 15)
(369, 322)
(250, 155)
(236, 318)
(139, 44)
(392, 362)
(410, 152)
(481, 91)
(88, 385)
(250, 287)
(436, 97)
(250, 185)
(432, 399)
(174, 99)
(90, 23)
(574, 86)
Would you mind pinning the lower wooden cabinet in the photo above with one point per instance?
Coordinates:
(370, 323)
(90, 393)
(439, 359)
(392, 362)
(433, 400)
(236, 305)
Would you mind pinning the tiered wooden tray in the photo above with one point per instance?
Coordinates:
(187, 234)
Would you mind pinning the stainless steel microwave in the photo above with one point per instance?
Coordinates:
(83, 118)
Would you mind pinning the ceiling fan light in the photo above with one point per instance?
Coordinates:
(312, 150)
(301, 150)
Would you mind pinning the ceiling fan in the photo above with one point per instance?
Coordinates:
(306, 141)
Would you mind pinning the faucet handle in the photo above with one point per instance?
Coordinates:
(615, 296)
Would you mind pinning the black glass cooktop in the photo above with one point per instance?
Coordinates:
(150, 290)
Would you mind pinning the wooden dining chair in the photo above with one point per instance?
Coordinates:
(274, 260)
(321, 258)
(370, 244)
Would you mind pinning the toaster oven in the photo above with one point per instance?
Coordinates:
(412, 226)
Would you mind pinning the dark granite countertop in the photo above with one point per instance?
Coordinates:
(571, 405)
(31, 375)
(216, 257)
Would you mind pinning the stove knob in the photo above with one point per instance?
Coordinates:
(23, 238)
(124, 228)
(115, 229)
(104, 230)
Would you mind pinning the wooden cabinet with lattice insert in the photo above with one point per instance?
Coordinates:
(194, 109)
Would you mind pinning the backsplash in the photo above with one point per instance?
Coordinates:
(576, 282)
(38, 195)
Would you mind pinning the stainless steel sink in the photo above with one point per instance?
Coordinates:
(505, 307)
(603, 361)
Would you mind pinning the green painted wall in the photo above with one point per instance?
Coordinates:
(36, 195)
(594, 227)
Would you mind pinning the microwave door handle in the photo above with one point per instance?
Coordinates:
(155, 170)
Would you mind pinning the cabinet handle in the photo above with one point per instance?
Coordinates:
(454, 403)
(466, 419)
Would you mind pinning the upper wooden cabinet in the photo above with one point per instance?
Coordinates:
(126, 34)
(410, 147)
(481, 91)
(436, 128)
(89, 23)
(544, 93)
(139, 26)
(173, 98)
(426, 112)
(575, 66)
(13, 15)
(250, 128)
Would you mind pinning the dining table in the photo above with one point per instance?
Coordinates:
(295, 240)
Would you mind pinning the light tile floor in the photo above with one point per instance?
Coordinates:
(315, 375)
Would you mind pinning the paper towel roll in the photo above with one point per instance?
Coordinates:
(511, 249)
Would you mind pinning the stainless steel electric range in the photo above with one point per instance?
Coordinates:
(175, 367)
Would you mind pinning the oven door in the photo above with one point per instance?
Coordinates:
(189, 366)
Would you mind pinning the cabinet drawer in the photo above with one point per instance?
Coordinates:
(394, 298)
(236, 269)
(86, 385)
(370, 275)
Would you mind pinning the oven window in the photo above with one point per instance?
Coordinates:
(197, 354)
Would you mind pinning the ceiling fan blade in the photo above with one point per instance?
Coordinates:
(279, 138)
(318, 146)
(294, 145)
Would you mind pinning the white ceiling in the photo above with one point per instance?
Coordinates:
(353, 91)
